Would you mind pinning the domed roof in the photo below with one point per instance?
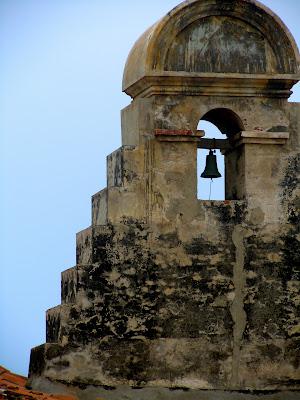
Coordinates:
(201, 37)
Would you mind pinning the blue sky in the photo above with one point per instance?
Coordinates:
(60, 101)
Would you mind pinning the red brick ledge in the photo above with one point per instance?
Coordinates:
(177, 132)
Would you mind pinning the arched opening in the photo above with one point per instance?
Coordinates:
(220, 124)
(227, 122)
(210, 189)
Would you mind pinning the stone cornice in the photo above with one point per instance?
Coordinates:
(212, 84)
(260, 137)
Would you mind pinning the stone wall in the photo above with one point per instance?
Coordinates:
(173, 297)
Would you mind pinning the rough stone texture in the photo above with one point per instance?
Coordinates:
(173, 297)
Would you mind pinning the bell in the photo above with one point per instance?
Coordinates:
(211, 168)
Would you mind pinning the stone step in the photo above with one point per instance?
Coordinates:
(84, 246)
(76, 285)
(57, 320)
(99, 208)
(124, 166)
(124, 196)
(64, 318)
(115, 204)
(69, 285)
(125, 204)
(91, 244)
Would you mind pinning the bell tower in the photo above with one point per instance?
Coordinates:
(174, 296)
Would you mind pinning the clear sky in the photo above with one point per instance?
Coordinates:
(60, 100)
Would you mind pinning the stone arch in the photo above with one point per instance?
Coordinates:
(242, 22)
(226, 120)
(228, 45)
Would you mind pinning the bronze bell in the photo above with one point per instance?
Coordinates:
(211, 167)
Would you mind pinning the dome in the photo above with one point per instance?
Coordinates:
(201, 38)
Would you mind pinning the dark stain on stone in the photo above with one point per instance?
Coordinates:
(171, 239)
(291, 254)
(199, 246)
(178, 388)
(52, 328)
(278, 128)
(53, 351)
(284, 382)
(135, 359)
(271, 351)
(37, 360)
(60, 364)
(292, 352)
(130, 238)
(291, 178)
(229, 213)
(74, 313)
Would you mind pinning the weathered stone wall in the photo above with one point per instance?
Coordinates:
(185, 112)
(177, 297)
(210, 288)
